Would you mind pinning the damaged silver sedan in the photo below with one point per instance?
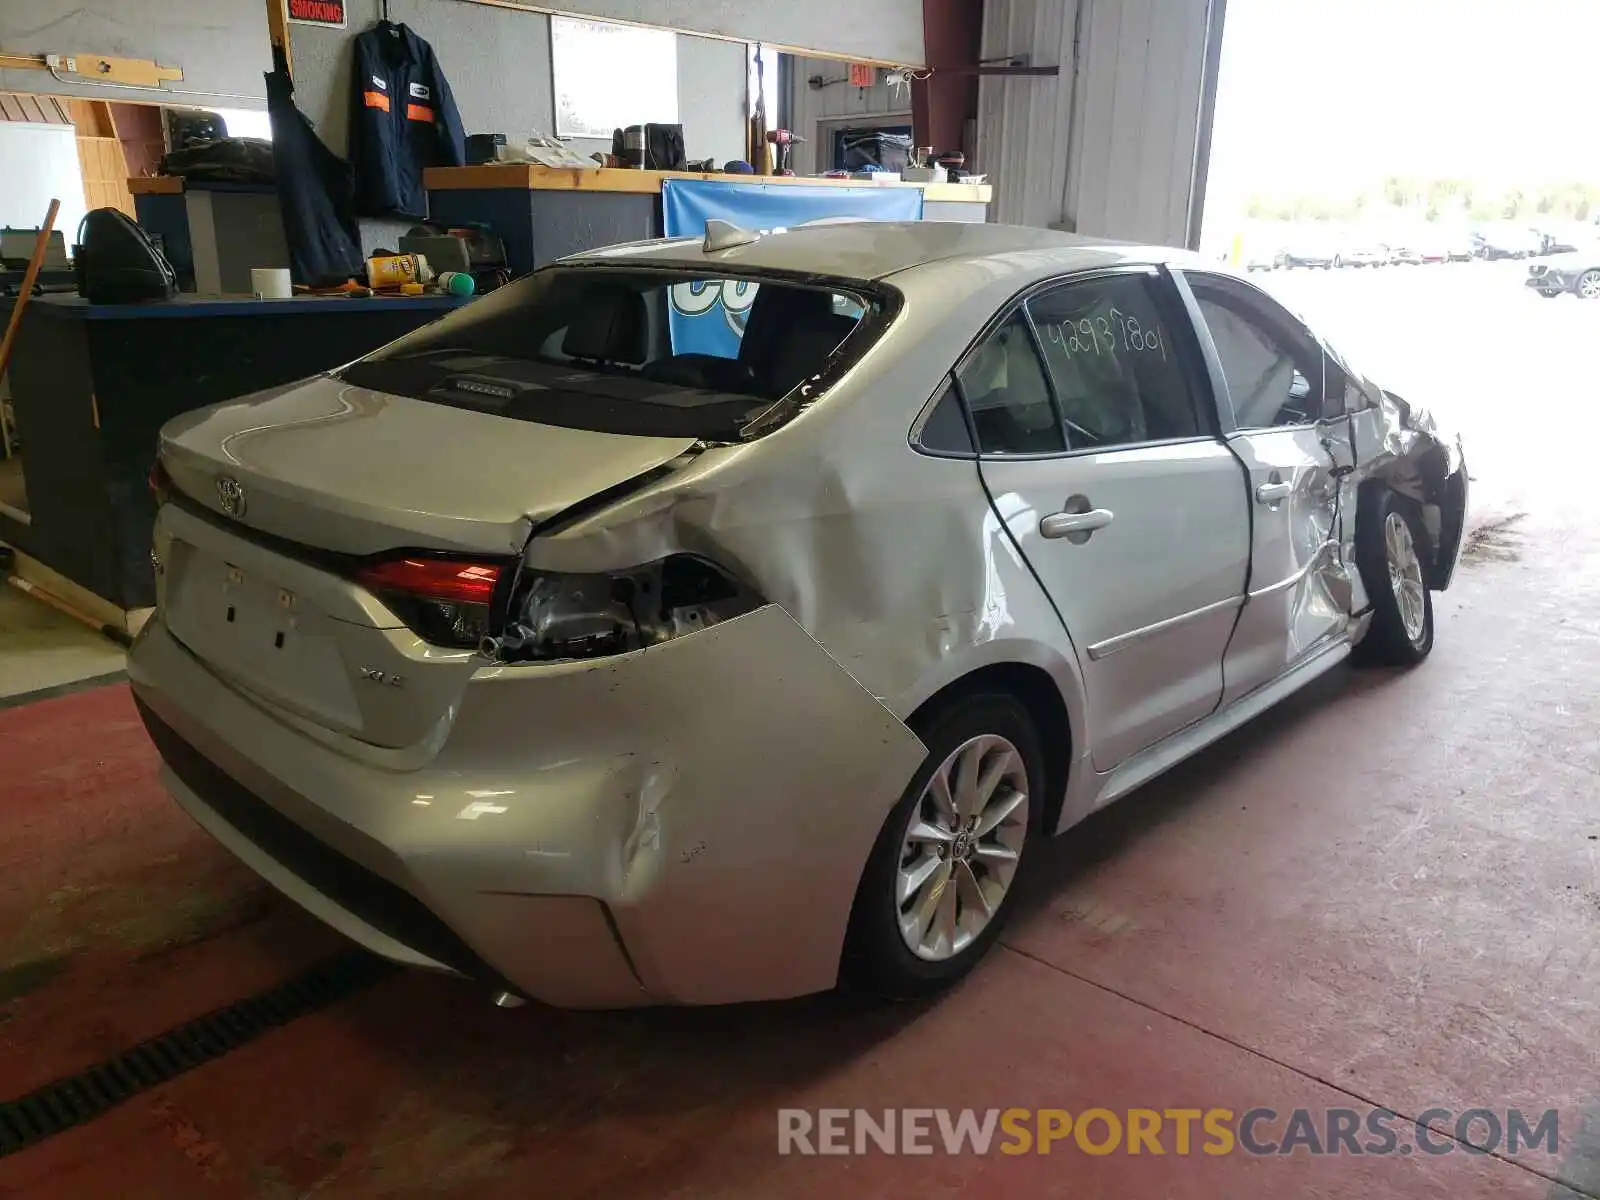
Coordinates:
(540, 647)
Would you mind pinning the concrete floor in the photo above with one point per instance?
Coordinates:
(42, 649)
(1385, 893)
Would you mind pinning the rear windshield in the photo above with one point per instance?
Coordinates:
(658, 353)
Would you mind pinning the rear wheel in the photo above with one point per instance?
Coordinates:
(1589, 285)
(938, 885)
(1388, 534)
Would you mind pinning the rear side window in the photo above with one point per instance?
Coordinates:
(945, 430)
(632, 351)
(1007, 395)
(1116, 372)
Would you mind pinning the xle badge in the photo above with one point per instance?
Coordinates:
(373, 675)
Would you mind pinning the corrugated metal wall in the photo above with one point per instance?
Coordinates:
(834, 101)
(1109, 146)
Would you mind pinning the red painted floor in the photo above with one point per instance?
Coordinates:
(1386, 893)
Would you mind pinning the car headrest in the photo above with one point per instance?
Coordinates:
(612, 325)
(776, 311)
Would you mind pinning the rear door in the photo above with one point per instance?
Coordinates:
(1097, 451)
(1285, 403)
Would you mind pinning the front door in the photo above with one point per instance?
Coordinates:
(1295, 451)
(1129, 510)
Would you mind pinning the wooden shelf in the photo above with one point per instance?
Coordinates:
(533, 177)
(157, 185)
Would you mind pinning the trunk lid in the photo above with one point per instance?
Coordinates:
(324, 463)
(327, 467)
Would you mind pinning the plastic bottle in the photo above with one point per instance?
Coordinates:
(457, 283)
(393, 270)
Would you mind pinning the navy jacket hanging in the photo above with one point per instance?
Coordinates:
(403, 118)
(314, 193)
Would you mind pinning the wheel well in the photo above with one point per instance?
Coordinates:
(1033, 688)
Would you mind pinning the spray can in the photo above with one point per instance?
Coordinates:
(393, 270)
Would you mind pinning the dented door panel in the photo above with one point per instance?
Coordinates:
(1298, 593)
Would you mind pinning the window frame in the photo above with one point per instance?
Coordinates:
(1192, 362)
(1275, 319)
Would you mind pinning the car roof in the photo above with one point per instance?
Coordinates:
(871, 250)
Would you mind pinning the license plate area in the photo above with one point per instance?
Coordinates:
(264, 634)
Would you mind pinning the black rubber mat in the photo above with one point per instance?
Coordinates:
(80, 1098)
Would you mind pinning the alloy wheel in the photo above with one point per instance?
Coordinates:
(961, 847)
(1589, 285)
(1405, 575)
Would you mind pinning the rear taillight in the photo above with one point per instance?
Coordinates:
(445, 601)
(555, 617)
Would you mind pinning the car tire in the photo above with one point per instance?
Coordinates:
(1588, 285)
(879, 959)
(1390, 538)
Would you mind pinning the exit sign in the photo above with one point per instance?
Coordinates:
(330, 14)
(863, 75)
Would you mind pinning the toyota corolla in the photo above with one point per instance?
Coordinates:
(611, 659)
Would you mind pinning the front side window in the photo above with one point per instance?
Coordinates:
(649, 352)
(1276, 374)
(1116, 372)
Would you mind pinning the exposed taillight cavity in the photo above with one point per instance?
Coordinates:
(555, 617)
(446, 601)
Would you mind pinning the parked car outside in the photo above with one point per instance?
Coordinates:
(1264, 260)
(549, 647)
(1577, 272)
(1361, 255)
(1310, 252)
(1507, 241)
(1560, 238)
(1431, 248)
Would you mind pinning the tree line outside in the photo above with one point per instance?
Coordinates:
(1434, 200)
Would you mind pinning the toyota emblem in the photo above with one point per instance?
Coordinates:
(230, 494)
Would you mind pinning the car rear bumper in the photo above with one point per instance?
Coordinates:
(592, 835)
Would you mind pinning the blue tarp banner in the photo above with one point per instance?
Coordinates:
(708, 318)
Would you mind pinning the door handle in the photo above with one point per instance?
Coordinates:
(1271, 493)
(1065, 524)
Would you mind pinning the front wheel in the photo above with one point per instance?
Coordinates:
(938, 885)
(1388, 533)
(1588, 285)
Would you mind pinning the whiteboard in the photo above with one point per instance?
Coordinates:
(610, 76)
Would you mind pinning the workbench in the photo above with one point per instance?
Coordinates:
(545, 213)
(213, 233)
(92, 384)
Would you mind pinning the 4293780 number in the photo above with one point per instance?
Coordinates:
(1106, 335)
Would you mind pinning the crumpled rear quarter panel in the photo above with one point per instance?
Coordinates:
(720, 793)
